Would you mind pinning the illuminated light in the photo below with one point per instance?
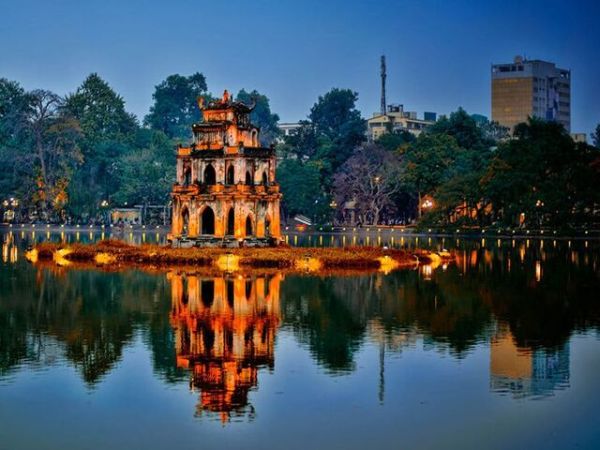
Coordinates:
(91, 226)
(527, 231)
(33, 225)
(77, 225)
(554, 232)
(48, 226)
(586, 232)
(379, 230)
(542, 232)
(104, 258)
(228, 262)
(483, 231)
(483, 242)
(157, 227)
(538, 271)
(22, 225)
(387, 264)
(143, 226)
(457, 230)
(59, 256)
(429, 230)
(102, 226)
(308, 263)
(368, 229)
(32, 255)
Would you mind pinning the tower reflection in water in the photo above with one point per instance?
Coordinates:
(225, 331)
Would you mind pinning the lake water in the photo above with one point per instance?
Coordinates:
(499, 349)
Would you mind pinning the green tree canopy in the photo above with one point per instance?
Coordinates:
(543, 175)
(175, 106)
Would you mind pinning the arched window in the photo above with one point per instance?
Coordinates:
(230, 177)
(187, 176)
(230, 223)
(207, 221)
(249, 228)
(267, 226)
(207, 292)
(254, 138)
(230, 293)
(249, 180)
(210, 176)
(185, 220)
(265, 180)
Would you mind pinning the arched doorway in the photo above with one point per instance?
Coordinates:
(230, 177)
(249, 180)
(249, 228)
(210, 176)
(185, 221)
(207, 220)
(230, 223)
(265, 180)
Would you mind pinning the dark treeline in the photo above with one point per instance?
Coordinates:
(72, 158)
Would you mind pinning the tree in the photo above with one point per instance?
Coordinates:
(56, 151)
(301, 187)
(428, 163)
(596, 136)
(395, 139)
(543, 177)
(175, 106)
(101, 112)
(261, 115)
(108, 133)
(338, 124)
(14, 107)
(370, 177)
(146, 174)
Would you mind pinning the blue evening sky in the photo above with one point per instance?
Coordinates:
(438, 52)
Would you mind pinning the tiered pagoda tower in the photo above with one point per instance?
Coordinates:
(226, 193)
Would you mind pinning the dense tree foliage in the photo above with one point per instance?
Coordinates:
(175, 105)
(543, 177)
(596, 136)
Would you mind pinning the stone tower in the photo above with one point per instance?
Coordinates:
(225, 193)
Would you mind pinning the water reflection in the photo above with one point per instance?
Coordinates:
(224, 332)
(521, 303)
(526, 372)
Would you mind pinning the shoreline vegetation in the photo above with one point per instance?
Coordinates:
(114, 254)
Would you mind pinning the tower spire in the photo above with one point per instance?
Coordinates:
(383, 76)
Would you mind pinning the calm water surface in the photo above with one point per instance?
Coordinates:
(500, 349)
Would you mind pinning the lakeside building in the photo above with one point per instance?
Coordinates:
(225, 193)
(396, 119)
(224, 332)
(530, 88)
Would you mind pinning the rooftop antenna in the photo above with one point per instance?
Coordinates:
(383, 76)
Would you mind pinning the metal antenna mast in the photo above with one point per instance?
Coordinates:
(383, 76)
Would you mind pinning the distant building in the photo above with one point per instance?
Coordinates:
(396, 119)
(579, 137)
(288, 128)
(530, 88)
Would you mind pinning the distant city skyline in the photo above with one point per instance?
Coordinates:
(438, 53)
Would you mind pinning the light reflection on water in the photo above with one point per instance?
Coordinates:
(506, 323)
